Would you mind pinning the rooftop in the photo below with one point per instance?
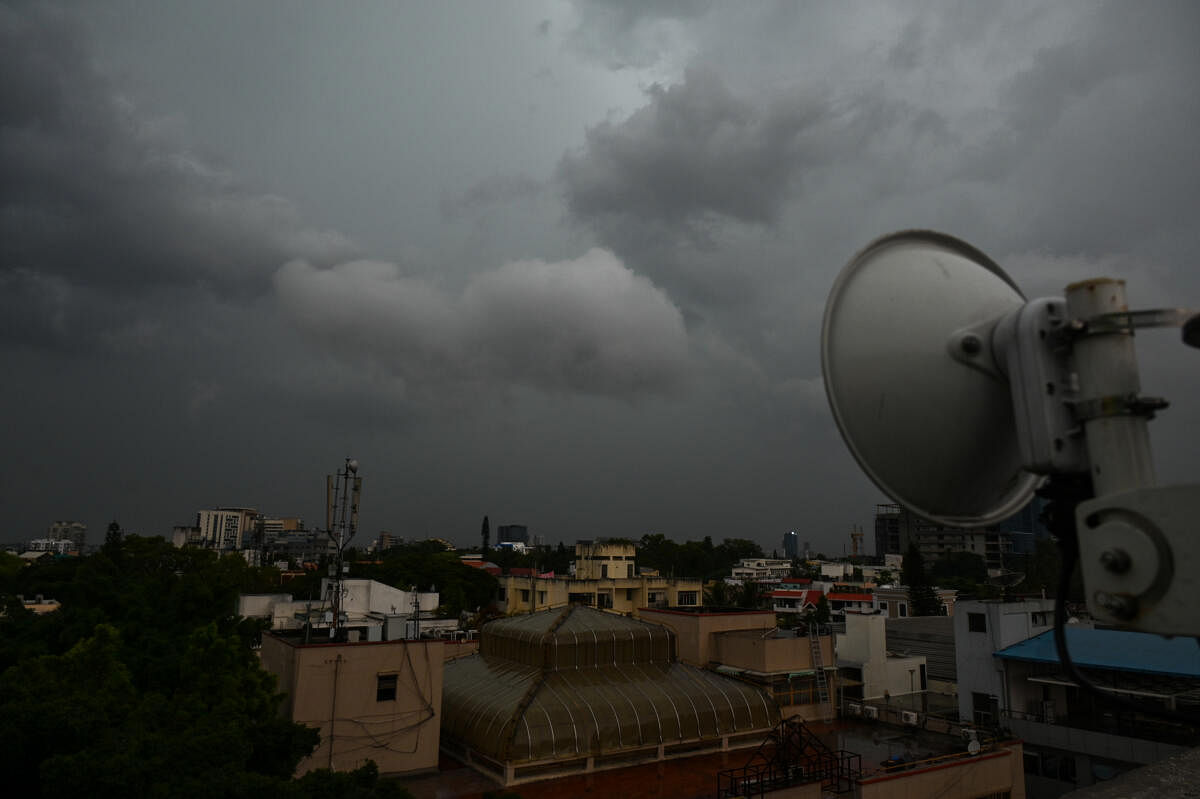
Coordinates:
(1114, 649)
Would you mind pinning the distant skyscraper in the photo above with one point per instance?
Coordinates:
(512, 533)
(791, 544)
(226, 528)
(75, 532)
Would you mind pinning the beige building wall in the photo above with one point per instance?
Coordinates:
(987, 774)
(523, 594)
(748, 649)
(596, 560)
(694, 631)
(379, 701)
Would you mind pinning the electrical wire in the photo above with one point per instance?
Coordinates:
(1069, 550)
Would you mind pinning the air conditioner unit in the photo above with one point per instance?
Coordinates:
(854, 708)
(908, 717)
(870, 712)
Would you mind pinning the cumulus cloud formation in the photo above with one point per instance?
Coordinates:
(96, 193)
(588, 325)
(694, 151)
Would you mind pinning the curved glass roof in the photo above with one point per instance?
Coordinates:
(579, 681)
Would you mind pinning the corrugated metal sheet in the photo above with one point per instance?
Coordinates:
(576, 682)
(931, 636)
(1114, 649)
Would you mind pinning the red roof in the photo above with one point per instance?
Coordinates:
(798, 580)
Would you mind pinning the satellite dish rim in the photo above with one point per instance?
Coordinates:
(1029, 482)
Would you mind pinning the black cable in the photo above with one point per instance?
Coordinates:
(1062, 521)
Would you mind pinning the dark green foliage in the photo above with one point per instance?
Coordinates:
(143, 683)
(962, 565)
(716, 594)
(362, 783)
(486, 534)
(750, 595)
(424, 564)
(821, 613)
(922, 599)
(695, 560)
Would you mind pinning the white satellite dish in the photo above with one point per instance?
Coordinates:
(934, 433)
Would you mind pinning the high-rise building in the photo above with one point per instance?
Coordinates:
(791, 544)
(512, 533)
(75, 532)
(226, 528)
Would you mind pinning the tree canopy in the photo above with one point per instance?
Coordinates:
(144, 682)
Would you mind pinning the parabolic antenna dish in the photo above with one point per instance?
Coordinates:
(935, 434)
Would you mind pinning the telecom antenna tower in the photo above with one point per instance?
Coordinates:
(341, 523)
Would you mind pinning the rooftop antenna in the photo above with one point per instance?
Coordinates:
(341, 523)
(957, 397)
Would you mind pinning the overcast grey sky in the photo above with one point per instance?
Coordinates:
(561, 263)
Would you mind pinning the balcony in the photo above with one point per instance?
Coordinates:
(1112, 736)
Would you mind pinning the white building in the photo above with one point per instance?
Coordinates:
(225, 528)
(380, 611)
(868, 671)
(982, 628)
(761, 570)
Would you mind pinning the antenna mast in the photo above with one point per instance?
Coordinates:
(341, 523)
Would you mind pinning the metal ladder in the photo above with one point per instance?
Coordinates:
(814, 641)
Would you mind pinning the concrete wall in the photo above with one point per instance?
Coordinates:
(333, 687)
(748, 649)
(594, 558)
(694, 631)
(628, 595)
(1007, 623)
(962, 778)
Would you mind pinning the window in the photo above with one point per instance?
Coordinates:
(604, 572)
(1039, 619)
(541, 597)
(976, 623)
(385, 688)
(903, 610)
(628, 594)
(687, 597)
(883, 605)
(524, 594)
(628, 569)
(604, 600)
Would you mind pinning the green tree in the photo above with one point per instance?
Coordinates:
(820, 614)
(922, 599)
(112, 539)
(716, 594)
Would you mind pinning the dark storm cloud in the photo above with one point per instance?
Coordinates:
(498, 189)
(97, 194)
(694, 152)
(589, 325)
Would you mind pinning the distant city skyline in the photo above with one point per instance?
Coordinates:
(561, 262)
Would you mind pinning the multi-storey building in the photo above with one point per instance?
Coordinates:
(378, 700)
(761, 570)
(1074, 737)
(75, 532)
(226, 529)
(982, 628)
(791, 545)
(896, 527)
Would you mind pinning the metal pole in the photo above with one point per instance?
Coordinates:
(1118, 442)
